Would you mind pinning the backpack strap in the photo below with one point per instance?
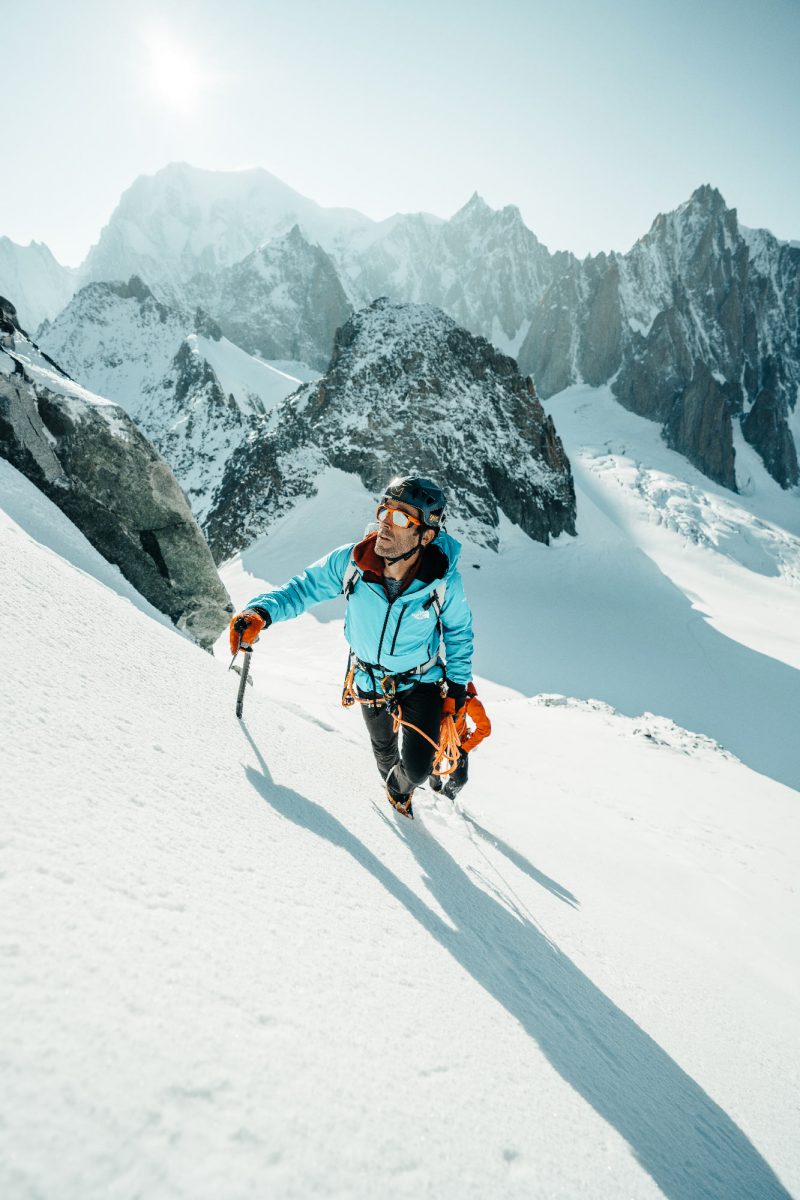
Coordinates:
(350, 578)
(436, 602)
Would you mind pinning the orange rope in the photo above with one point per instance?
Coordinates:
(447, 748)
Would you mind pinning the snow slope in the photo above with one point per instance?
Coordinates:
(678, 597)
(230, 971)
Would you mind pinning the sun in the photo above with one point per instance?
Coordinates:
(174, 73)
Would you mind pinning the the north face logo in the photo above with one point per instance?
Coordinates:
(422, 615)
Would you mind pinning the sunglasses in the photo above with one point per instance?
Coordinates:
(396, 516)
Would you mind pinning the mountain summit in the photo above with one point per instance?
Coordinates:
(407, 389)
(696, 327)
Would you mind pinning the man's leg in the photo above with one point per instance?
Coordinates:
(421, 706)
(382, 737)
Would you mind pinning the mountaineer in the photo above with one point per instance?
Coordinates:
(405, 604)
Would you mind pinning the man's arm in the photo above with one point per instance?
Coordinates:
(456, 619)
(321, 581)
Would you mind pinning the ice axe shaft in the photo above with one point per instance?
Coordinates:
(240, 626)
(247, 652)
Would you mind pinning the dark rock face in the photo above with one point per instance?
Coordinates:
(409, 390)
(699, 426)
(696, 289)
(90, 459)
(283, 301)
(766, 430)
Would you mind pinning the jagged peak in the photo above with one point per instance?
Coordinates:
(293, 239)
(706, 197)
(476, 206)
(706, 204)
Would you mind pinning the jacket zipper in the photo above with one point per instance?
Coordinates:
(397, 628)
(383, 631)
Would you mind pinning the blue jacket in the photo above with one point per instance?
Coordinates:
(393, 636)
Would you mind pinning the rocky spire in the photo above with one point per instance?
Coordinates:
(407, 389)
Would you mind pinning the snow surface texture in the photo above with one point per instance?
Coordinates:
(231, 971)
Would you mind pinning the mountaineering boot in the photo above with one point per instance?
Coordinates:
(399, 800)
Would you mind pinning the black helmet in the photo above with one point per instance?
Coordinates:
(424, 494)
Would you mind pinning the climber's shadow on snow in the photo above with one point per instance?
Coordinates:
(680, 1136)
(521, 863)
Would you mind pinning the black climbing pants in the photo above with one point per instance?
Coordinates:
(413, 757)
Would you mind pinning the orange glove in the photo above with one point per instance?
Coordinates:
(245, 628)
(476, 713)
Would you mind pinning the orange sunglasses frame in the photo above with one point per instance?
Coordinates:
(389, 508)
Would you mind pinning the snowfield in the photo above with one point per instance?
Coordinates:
(230, 971)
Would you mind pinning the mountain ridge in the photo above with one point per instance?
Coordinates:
(695, 326)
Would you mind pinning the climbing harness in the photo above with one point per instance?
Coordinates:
(446, 748)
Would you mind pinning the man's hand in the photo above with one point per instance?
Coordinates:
(457, 692)
(245, 628)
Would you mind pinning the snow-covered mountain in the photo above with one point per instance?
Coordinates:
(181, 221)
(117, 339)
(283, 301)
(89, 457)
(194, 394)
(483, 267)
(696, 327)
(40, 285)
(407, 389)
(230, 971)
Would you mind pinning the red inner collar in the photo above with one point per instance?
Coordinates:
(372, 565)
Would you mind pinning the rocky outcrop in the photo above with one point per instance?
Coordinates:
(699, 426)
(407, 390)
(765, 426)
(89, 458)
(697, 327)
(284, 301)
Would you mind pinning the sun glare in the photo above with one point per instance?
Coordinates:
(174, 74)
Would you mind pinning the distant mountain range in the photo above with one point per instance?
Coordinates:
(696, 327)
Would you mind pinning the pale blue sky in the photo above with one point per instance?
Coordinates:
(591, 117)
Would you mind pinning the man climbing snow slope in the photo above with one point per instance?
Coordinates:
(405, 603)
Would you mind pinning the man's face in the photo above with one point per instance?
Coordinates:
(393, 541)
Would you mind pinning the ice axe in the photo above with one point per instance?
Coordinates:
(239, 626)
